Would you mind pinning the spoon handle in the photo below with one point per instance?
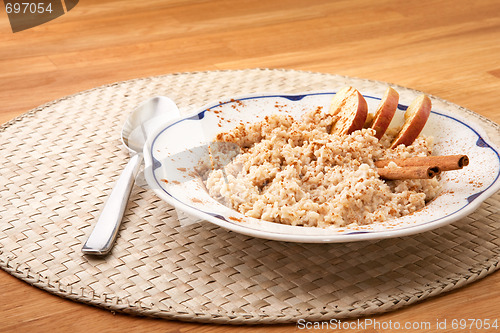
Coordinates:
(103, 235)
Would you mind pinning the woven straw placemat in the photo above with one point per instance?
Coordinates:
(60, 161)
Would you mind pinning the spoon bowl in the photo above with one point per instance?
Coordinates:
(153, 111)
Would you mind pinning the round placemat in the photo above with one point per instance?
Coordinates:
(60, 161)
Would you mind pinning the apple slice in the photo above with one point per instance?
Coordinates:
(385, 112)
(339, 99)
(350, 109)
(415, 118)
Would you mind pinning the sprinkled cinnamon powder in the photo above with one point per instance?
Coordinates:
(295, 172)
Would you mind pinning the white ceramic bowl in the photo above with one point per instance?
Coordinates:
(174, 150)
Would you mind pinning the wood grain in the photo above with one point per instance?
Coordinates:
(445, 48)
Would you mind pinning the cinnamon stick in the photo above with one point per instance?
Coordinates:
(408, 172)
(444, 163)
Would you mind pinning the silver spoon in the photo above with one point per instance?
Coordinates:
(154, 111)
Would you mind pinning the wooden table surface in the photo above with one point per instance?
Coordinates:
(450, 49)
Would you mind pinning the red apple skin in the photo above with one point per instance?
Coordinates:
(385, 112)
(415, 118)
(351, 112)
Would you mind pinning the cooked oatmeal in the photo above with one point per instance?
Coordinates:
(294, 172)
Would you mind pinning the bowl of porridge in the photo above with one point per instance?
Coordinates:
(325, 166)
